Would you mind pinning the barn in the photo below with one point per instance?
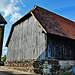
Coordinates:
(2, 25)
(41, 38)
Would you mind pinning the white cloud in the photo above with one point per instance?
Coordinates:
(10, 8)
(22, 3)
(4, 44)
(4, 49)
(4, 52)
(15, 17)
(12, 1)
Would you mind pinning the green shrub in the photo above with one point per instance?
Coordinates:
(3, 58)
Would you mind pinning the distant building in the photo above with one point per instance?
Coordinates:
(42, 35)
(2, 25)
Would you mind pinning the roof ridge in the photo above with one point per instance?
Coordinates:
(54, 13)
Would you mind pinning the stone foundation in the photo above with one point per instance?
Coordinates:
(42, 66)
(26, 66)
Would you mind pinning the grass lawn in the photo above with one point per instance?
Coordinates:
(65, 74)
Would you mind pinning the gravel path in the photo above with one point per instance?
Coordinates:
(7, 71)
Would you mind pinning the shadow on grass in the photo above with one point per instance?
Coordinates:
(11, 73)
(65, 74)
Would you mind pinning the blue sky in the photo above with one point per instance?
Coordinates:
(12, 10)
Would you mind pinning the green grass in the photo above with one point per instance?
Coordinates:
(65, 74)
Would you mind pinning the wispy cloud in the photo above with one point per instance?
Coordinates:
(10, 8)
(15, 17)
(4, 52)
(22, 3)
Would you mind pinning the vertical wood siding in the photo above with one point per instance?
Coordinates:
(27, 41)
(59, 48)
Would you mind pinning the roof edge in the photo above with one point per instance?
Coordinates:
(57, 15)
(38, 22)
(25, 15)
(3, 19)
(54, 13)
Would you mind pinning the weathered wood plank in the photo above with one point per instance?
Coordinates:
(27, 41)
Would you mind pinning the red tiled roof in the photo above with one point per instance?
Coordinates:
(54, 23)
(51, 23)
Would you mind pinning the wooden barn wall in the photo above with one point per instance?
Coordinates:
(59, 48)
(27, 41)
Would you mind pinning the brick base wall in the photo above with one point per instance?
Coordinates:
(42, 66)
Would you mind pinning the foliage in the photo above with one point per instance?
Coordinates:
(3, 58)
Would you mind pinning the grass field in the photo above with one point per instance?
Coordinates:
(65, 74)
